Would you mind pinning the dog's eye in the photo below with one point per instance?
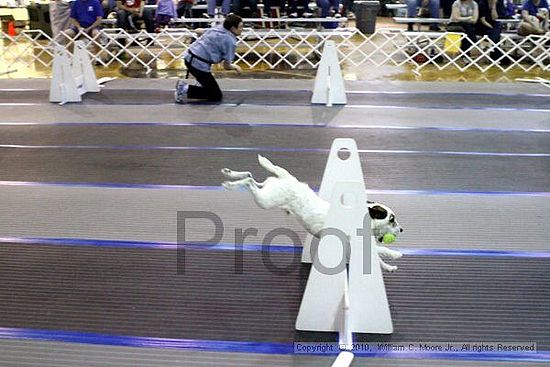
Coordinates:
(392, 218)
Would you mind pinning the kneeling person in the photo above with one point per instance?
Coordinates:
(214, 46)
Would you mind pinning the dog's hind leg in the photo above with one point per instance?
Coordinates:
(261, 196)
(235, 175)
(276, 170)
(247, 182)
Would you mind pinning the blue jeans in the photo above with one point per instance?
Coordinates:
(348, 5)
(124, 23)
(326, 5)
(226, 7)
(433, 5)
(494, 35)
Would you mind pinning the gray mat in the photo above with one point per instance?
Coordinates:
(485, 222)
(382, 171)
(301, 98)
(297, 115)
(384, 85)
(276, 137)
(139, 292)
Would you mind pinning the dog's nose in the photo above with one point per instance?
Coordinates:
(401, 230)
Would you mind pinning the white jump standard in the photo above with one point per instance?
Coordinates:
(72, 78)
(345, 291)
(329, 83)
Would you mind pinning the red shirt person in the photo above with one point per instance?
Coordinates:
(131, 12)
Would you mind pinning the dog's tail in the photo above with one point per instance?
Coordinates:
(276, 170)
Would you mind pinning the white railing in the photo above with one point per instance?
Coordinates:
(273, 48)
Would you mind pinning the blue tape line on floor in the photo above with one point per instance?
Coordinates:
(217, 188)
(240, 346)
(254, 247)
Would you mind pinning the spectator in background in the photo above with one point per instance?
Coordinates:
(211, 11)
(238, 6)
(130, 12)
(487, 25)
(184, 9)
(348, 7)
(329, 7)
(109, 6)
(506, 9)
(431, 5)
(447, 7)
(60, 17)
(166, 10)
(534, 20)
(85, 17)
(464, 17)
(294, 12)
(269, 3)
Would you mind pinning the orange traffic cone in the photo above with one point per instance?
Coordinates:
(11, 29)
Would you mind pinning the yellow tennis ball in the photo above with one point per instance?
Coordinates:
(388, 238)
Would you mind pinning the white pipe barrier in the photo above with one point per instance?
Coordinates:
(272, 48)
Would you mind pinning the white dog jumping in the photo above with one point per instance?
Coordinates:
(284, 191)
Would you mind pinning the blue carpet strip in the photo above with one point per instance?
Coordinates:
(242, 347)
(254, 247)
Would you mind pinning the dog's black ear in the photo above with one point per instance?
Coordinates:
(377, 212)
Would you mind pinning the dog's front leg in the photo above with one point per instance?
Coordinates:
(386, 267)
(231, 185)
(384, 251)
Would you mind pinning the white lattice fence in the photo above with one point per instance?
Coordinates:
(292, 49)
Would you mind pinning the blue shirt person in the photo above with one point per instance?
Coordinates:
(85, 13)
(85, 17)
(534, 20)
(216, 45)
(533, 6)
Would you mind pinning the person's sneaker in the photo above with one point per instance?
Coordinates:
(180, 95)
(307, 14)
(293, 15)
